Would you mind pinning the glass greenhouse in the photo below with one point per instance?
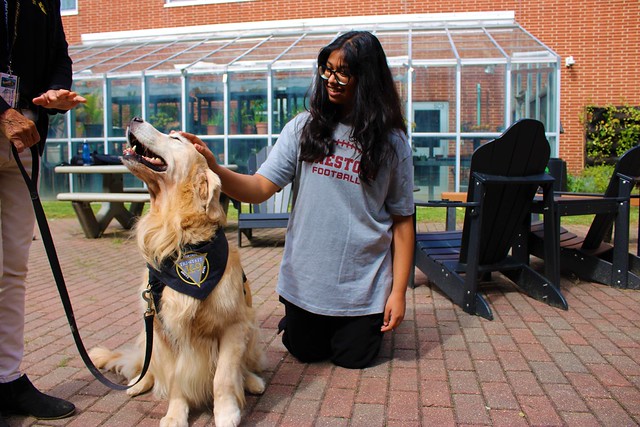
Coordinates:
(463, 79)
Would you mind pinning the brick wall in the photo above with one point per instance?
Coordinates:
(602, 36)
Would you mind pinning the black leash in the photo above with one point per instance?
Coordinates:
(49, 246)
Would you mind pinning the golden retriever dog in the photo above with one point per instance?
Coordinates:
(206, 349)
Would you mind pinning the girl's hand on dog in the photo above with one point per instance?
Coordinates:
(202, 148)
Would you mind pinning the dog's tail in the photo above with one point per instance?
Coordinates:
(125, 363)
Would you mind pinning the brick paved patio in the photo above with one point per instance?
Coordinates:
(533, 365)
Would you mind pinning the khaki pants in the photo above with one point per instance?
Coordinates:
(17, 221)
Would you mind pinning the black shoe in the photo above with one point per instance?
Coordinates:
(22, 398)
(282, 325)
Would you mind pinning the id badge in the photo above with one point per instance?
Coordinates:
(9, 89)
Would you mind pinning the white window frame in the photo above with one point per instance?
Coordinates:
(70, 11)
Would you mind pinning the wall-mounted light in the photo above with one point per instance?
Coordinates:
(569, 61)
(490, 69)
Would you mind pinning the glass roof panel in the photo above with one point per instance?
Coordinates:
(199, 55)
(474, 44)
(162, 59)
(441, 42)
(271, 49)
(306, 50)
(395, 45)
(85, 53)
(146, 57)
(236, 50)
(431, 45)
(100, 59)
(516, 42)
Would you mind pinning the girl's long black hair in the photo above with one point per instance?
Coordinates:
(376, 108)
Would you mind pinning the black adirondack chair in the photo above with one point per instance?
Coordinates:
(591, 257)
(505, 175)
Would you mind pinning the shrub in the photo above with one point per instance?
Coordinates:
(610, 131)
(593, 179)
(164, 121)
(91, 112)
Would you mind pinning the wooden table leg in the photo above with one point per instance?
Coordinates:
(87, 219)
(93, 225)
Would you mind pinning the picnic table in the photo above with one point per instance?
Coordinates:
(123, 204)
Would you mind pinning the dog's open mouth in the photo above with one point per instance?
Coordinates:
(139, 152)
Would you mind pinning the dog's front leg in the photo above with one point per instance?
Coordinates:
(228, 392)
(178, 411)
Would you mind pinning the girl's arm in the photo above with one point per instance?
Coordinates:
(402, 248)
(245, 188)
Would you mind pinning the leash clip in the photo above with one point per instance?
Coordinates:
(146, 295)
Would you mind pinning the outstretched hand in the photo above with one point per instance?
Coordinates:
(201, 147)
(59, 99)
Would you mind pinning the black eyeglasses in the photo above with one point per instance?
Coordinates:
(341, 76)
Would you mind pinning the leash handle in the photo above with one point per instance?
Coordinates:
(50, 248)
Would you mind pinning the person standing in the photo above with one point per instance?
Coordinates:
(349, 243)
(36, 79)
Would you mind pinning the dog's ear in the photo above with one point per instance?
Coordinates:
(210, 191)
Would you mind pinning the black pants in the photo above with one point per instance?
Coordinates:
(350, 342)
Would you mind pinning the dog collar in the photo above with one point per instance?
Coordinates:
(196, 273)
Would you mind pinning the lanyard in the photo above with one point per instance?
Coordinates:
(6, 25)
(15, 32)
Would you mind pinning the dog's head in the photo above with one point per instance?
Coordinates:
(177, 175)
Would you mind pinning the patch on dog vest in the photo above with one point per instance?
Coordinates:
(196, 273)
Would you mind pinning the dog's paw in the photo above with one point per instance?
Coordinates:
(168, 421)
(135, 390)
(230, 418)
(254, 384)
(143, 386)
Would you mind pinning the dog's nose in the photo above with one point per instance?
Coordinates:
(135, 122)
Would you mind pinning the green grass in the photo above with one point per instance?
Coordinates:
(438, 215)
(55, 209)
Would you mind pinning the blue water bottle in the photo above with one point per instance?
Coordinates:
(86, 154)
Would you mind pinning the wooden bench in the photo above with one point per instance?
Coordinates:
(248, 221)
(113, 206)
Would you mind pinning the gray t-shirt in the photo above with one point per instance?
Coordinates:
(337, 254)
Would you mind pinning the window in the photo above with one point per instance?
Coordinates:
(68, 7)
